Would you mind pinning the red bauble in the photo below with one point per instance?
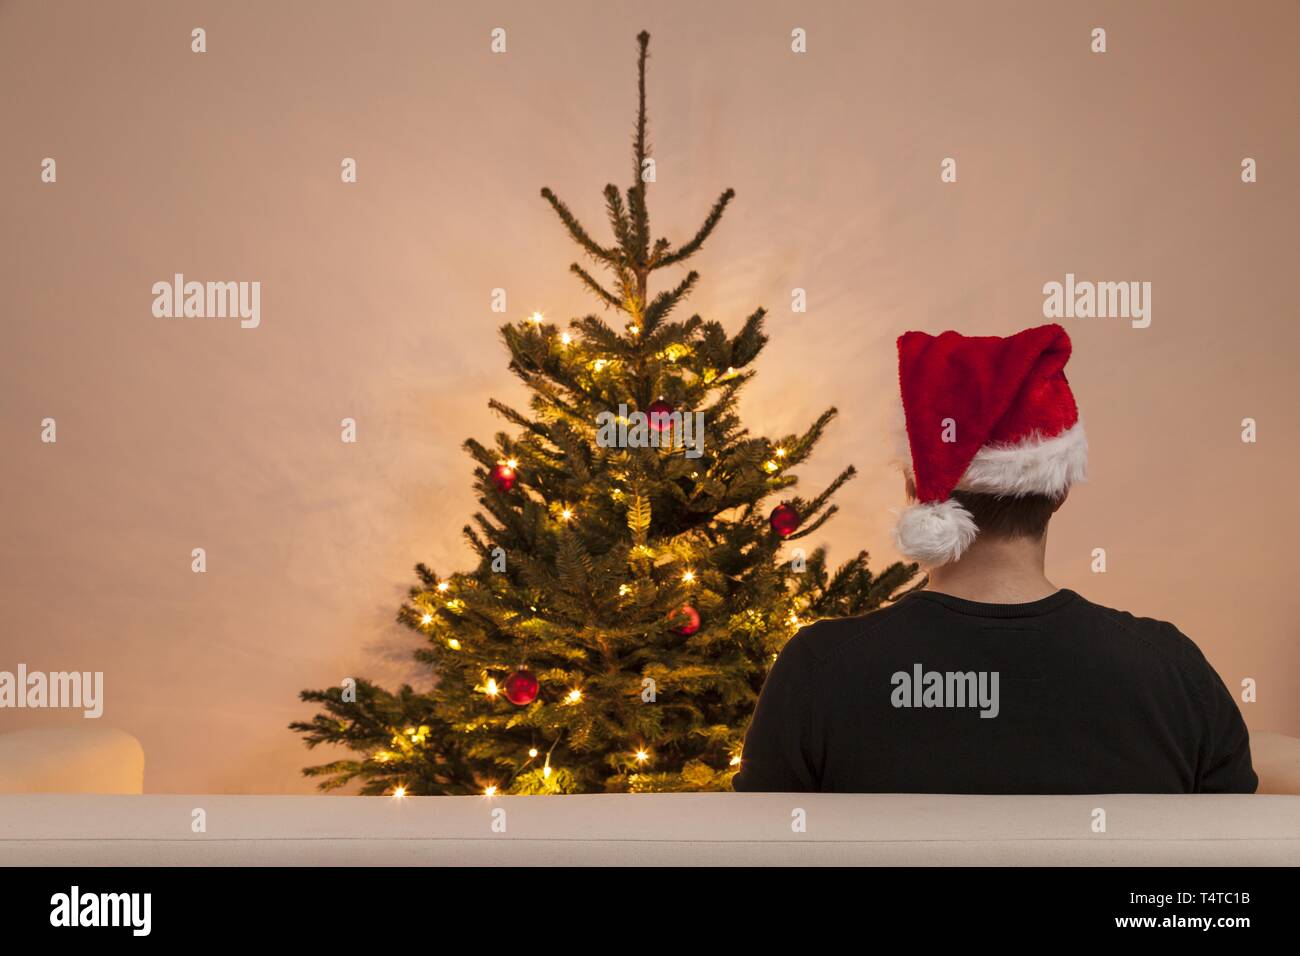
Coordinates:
(785, 520)
(521, 687)
(658, 413)
(688, 620)
(504, 477)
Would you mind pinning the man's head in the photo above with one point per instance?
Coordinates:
(1004, 516)
(992, 436)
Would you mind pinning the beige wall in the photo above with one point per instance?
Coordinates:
(182, 434)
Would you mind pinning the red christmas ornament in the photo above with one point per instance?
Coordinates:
(504, 477)
(689, 619)
(658, 413)
(785, 520)
(521, 687)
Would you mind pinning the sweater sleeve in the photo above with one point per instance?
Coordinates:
(1226, 765)
(780, 747)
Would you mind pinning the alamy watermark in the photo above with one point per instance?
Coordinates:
(1098, 300)
(922, 688)
(654, 430)
(209, 300)
(75, 908)
(57, 689)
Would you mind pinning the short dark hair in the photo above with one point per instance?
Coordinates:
(1003, 516)
(999, 516)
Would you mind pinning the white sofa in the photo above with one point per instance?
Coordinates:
(650, 829)
(106, 822)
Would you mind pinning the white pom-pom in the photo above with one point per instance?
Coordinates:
(934, 533)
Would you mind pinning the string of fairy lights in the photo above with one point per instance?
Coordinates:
(784, 520)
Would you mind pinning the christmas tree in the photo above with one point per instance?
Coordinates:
(631, 590)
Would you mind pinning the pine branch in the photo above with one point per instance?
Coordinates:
(618, 218)
(576, 231)
(640, 232)
(749, 341)
(599, 335)
(639, 143)
(505, 411)
(692, 247)
(798, 450)
(638, 518)
(664, 302)
(594, 286)
(809, 529)
(815, 505)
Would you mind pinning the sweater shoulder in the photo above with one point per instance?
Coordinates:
(825, 639)
(1162, 637)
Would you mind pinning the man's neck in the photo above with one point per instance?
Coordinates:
(997, 571)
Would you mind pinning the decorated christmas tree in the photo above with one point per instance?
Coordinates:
(637, 568)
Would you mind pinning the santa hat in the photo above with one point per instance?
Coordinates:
(987, 414)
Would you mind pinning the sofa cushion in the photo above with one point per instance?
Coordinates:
(90, 759)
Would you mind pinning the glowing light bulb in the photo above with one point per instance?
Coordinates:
(633, 329)
(735, 760)
(624, 590)
(536, 318)
(427, 619)
(566, 514)
(566, 338)
(454, 644)
(575, 695)
(546, 771)
(512, 463)
(532, 751)
(491, 687)
(688, 577)
(599, 365)
(443, 586)
(780, 453)
(490, 791)
(399, 793)
(642, 756)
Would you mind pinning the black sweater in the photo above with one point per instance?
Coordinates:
(941, 695)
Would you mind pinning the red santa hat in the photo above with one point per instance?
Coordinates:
(986, 414)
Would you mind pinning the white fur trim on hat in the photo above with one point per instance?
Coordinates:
(1037, 465)
(934, 533)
